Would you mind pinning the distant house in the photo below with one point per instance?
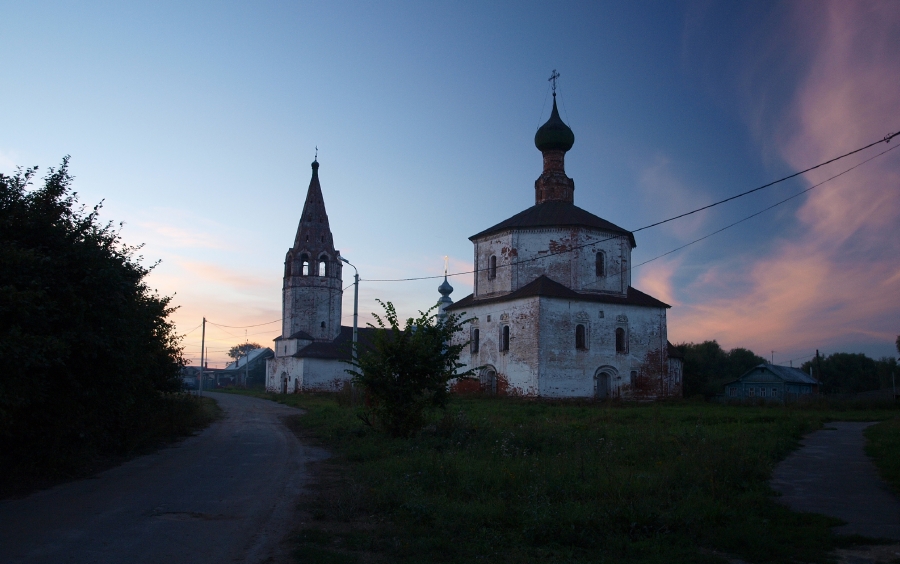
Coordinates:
(770, 382)
(237, 371)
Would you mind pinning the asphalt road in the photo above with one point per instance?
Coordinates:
(227, 494)
(831, 474)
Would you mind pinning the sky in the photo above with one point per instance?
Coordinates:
(195, 124)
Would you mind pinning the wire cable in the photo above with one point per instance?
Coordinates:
(243, 326)
(729, 226)
(885, 139)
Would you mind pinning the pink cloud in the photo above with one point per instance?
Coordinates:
(837, 280)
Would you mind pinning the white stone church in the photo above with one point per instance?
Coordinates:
(554, 313)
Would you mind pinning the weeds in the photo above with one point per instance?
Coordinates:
(535, 481)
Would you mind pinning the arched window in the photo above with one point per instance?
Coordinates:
(304, 265)
(601, 265)
(579, 337)
(323, 270)
(504, 338)
(621, 344)
(474, 340)
(492, 271)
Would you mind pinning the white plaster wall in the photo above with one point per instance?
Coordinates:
(568, 372)
(537, 252)
(277, 367)
(324, 375)
(543, 360)
(518, 366)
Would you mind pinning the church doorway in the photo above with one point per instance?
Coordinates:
(602, 380)
(488, 378)
(284, 383)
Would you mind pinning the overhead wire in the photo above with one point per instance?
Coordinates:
(885, 139)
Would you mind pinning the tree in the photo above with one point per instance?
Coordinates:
(405, 371)
(707, 368)
(238, 351)
(87, 347)
(846, 373)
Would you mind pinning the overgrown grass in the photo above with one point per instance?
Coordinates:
(505, 480)
(883, 445)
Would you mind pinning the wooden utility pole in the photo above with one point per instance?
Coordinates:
(202, 349)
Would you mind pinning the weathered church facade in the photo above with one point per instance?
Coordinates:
(553, 310)
(312, 345)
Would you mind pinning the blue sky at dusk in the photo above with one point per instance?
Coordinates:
(196, 124)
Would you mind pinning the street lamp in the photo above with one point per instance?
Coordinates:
(355, 302)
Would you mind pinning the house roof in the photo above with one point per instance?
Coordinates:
(785, 373)
(547, 288)
(250, 357)
(673, 352)
(339, 348)
(555, 214)
(298, 335)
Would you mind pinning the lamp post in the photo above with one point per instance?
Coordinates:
(355, 302)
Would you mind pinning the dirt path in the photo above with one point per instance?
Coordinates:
(831, 474)
(225, 495)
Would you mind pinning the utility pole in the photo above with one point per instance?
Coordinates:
(355, 305)
(202, 349)
(773, 357)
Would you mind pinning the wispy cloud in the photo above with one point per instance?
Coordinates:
(836, 280)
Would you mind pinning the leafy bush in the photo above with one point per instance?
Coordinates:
(406, 371)
(87, 347)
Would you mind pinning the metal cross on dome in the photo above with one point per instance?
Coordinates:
(553, 76)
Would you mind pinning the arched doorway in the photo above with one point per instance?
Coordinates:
(603, 380)
(284, 382)
(488, 379)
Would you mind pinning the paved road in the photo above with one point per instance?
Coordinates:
(225, 495)
(831, 474)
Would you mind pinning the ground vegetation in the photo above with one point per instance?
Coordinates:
(566, 481)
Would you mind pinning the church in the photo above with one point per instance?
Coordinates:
(313, 344)
(553, 312)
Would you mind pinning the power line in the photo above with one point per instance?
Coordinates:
(885, 139)
(244, 326)
(729, 226)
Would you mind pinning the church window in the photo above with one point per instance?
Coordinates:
(474, 340)
(601, 265)
(504, 338)
(492, 270)
(322, 266)
(579, 337)
(621, 343)
(323, 325)
(304, 265)
(634, 377)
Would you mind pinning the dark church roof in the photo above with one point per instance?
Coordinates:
(340, 348)
(547, 288)
(555, 214)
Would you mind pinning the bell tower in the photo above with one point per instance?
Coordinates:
(312, 290)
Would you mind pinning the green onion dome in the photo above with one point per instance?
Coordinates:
(554, 135)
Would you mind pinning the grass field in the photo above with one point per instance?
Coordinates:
(505, 480)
